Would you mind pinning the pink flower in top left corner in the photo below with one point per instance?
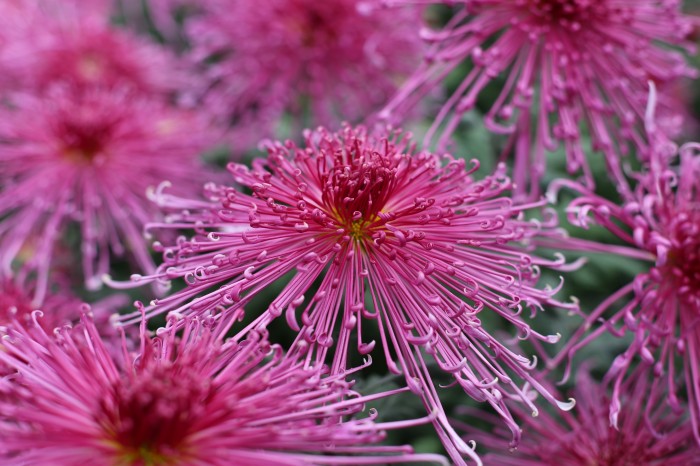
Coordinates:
(80, 162)
(67, 41)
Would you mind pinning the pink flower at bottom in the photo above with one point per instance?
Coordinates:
(184, 400)
(648, 433)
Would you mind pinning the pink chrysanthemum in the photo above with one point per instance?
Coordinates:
(660, 225)
(186, 400)
(397, 241)
(87, 158)
(324, 61)
(648, 434)
(571, 68)
(70, 42)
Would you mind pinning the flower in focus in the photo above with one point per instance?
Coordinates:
(660, 226)
(86, 158)
(572, 69)
(322, 61)
(72, 43)
(187, 400)
(648, 433)
(377, 239)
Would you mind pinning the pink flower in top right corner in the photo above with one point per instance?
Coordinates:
(561, 69)
(660, 308)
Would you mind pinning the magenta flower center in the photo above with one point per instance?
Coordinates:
(617, 448)
(314, 24)
(356, 189)
(91, 66)
(621, 448)
(570, 13)
(154, 413)
(313, 28)
(684, 257)
(85, 140)
(13, 302)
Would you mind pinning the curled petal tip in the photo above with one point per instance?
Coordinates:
(566, 405)
(94, 283)
(116, 284)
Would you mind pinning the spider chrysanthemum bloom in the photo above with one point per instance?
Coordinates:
(659, 226)
(73, 43)
(399, 242)
(179, 400)
(571, 68)
(322, 61)
(87, 158)
(649, 433)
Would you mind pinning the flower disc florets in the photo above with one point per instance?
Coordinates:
(565, 13)
(681, 263)
(355, 191)
(173, 396)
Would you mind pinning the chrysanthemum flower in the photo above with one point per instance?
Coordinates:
(71, 42)
(661, 227)
(571, 68)
(375, 237)
(648, 433)
(86, 158)
(323, 61)
(187, 400)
